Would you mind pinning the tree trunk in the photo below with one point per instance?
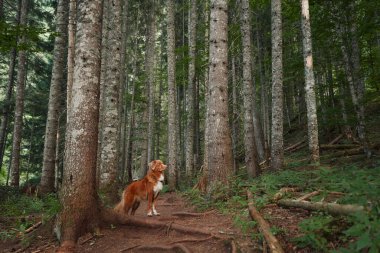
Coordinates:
(235, 115)
(190, 127)
(150, 63)
(70, 53)
(312, 122)
(219, 158)
(277, 142)
(251, 156)
(172, 98)
(58, 78)
(19, 109)
(111, 114)
(79, 198)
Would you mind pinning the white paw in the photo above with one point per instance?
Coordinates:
(156, 213)
(150, 214)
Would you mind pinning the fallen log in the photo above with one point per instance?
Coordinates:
(338, 146)
(335, 140)
(309, 195)
(33, 227)
(294, 146)
(347, 152)
(264, 227)
(332, 208)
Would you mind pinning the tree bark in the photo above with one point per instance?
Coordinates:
(70, 53)
(150, 63)
(251, 155)
(111, 113)
(277, 139)
(312, 121)
(58, 79)
(190, 127)
(79, 198)
(172, 97)
(219, 157)
(20, 95)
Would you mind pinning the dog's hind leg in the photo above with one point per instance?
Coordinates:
(135, 205)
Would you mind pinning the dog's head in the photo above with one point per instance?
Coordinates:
(157, 165)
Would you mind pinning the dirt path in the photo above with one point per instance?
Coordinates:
(121, 238)
(222, 235)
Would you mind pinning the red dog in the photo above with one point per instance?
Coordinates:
(147, 188)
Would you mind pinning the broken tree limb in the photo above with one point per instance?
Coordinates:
(338, 146)
(294, 146)
(309, 195)
(335, 140)
(272, 241)
(33, 227)
(322, 206)
(281, 193)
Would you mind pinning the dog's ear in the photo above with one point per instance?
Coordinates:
(152, 165)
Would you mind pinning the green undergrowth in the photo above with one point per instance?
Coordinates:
(19, 212)
(320, 231)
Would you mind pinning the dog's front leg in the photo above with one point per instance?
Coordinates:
(154, 204)
(150, 203)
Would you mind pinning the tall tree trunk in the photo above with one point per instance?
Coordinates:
(251, 156)
(70, 53)
(190, 128)
(311, 106)
(79, 198)
(58, 79)
(19, 109)
(277, 139)
(219, 136)
(150, 60)
(111, 114)
(6, 110)
(172, 98)
(235, 115)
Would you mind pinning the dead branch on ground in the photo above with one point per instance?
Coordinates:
(335, 140)
(338, 146)
(272, 241)
(332, 208)
(194, 240)
(281, 193)
(290, 148)
(309, 195)
(184, 214)
(33, 227)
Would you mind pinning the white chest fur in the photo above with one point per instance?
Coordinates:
(158, 187)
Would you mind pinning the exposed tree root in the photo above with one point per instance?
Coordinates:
(194, 240)
(272, 241)
(184, 214)
(332, 208)
(176, 247)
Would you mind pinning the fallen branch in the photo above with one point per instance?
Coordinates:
(281, 193)
(294, 146)
(233, 247)
(309, 195)
(175, 247)
(335, 140)
(347, 152)
(33, 227)
(339, 146)
(91, 237)
(321, 206)
(272, 241)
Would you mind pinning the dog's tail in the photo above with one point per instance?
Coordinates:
(120, 206)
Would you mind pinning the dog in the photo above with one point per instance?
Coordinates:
(147, 188)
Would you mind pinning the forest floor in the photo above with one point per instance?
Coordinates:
(174, 209)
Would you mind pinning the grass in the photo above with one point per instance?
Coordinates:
(321, 231)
